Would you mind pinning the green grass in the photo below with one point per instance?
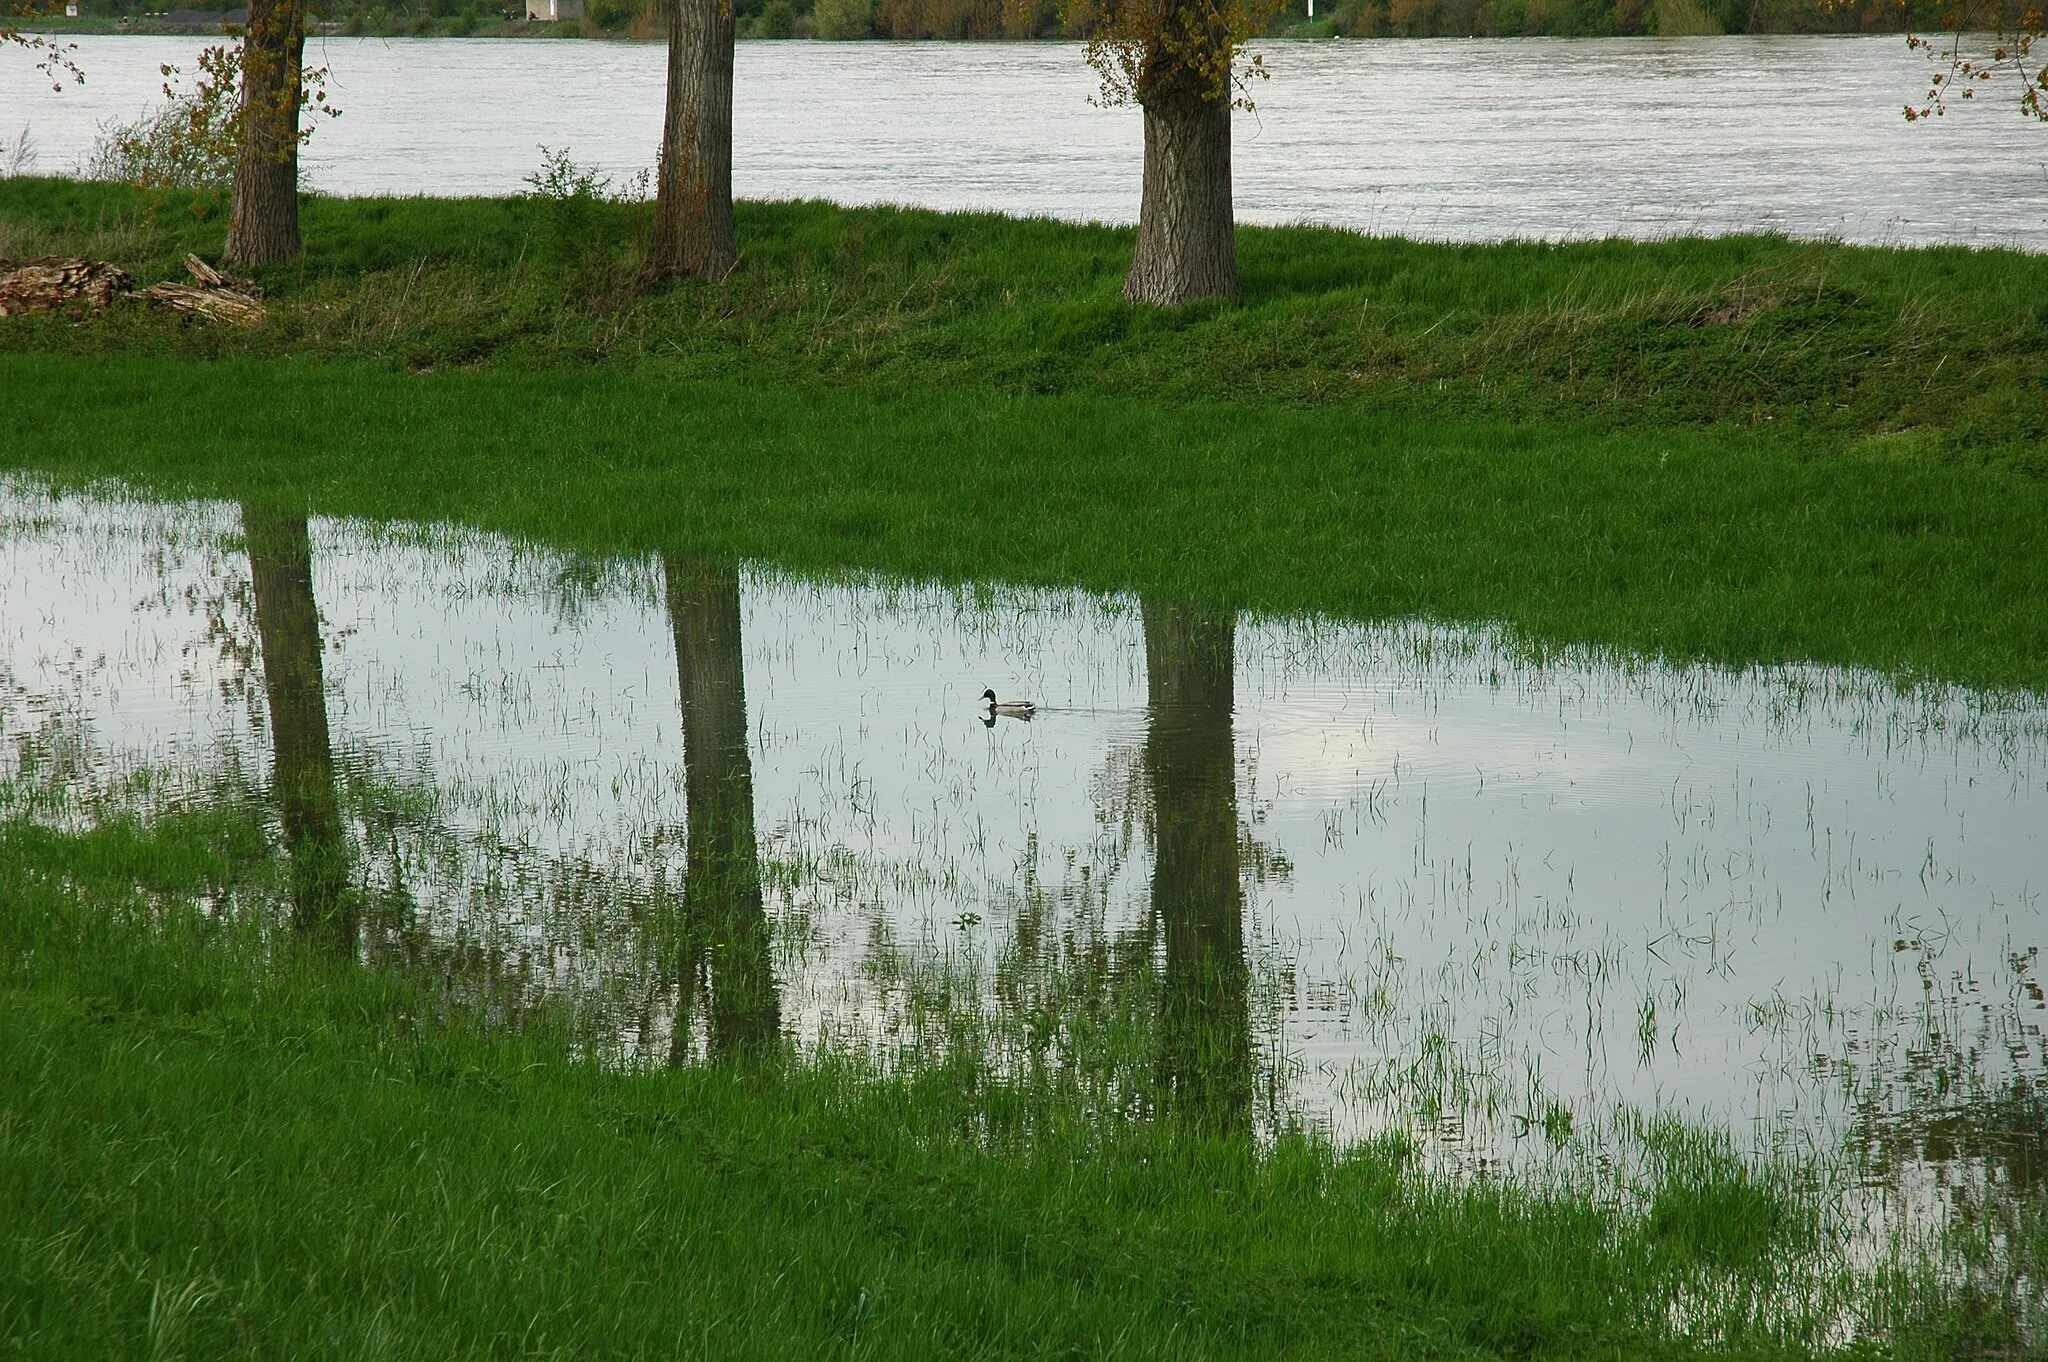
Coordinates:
(1745, 449)
(1943, 352)
(1685, 542)
(213, 1143)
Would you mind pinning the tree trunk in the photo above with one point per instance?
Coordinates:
(693, 230)
(1205, 1050)
(1187, 236)
(302, 770)
(726, 930)
(264, 226)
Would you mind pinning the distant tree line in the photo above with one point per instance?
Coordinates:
(1618, 18)
(1015, 19)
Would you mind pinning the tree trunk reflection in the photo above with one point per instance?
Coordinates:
(288, 627)
(725, 948)
(1205, 1060)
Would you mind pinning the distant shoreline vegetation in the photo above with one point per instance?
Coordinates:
(1042, 19)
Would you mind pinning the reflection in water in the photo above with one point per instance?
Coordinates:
(724, 948)
(1509, 907)
(1205, 1048)
(288, 625)
(1958, 1129)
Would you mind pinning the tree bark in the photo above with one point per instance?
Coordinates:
(726, 928)
(302, 756)
(1205, 1049)
(263, 228)
(1187, 235)
(693, 227)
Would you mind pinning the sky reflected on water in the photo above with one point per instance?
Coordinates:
(1367, 876)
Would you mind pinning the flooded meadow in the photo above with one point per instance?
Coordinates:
(1536, 912)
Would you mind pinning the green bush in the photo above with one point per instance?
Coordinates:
(778, 19)
(1360, 19)
(611, 16)
(1684, 19)
(192, 142)
(844, 19)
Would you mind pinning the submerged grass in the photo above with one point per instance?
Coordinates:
(213, 1140)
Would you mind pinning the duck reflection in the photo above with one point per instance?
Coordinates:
(724, 968)
(288, 629)
(1205, 1049)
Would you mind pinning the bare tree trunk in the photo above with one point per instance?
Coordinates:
(302, 770)
(264, 226)
(1187, 236)
(693, 230)
(1205, 1049)
(727, 928)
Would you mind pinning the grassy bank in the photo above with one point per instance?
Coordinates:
(1685, 543)
(213, 1142)
(1739, 450)
(1937, 354)
(1682, 542)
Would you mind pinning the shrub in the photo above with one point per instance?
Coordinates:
(844, 19)
(1358, 19)
(18, 158)
(190, 143)
(778, 19)
(1684, 19)
(610, 16)
(582, 221)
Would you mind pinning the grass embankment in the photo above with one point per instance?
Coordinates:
(1932, 351)
(1743, 449)
(212, 1143)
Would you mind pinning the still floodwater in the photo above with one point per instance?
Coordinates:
(1459, 139)
(1362, 876)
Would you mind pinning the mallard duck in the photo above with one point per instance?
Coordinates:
(1015, 709)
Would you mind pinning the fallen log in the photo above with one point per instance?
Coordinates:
(215, 296)
(209, 277)
(51, 281)
(215, 304)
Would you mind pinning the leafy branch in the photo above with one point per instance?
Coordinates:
(54, 58)
(1151, 50)
(194, 141)
(1984, 42)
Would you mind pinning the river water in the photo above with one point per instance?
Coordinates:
(1453, 139)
